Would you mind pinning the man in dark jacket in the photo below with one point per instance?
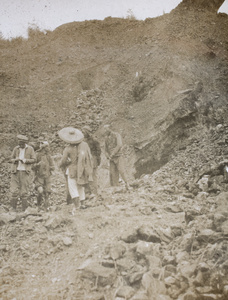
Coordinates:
(113, 152)
(22, 158)
(95, 150)
(43, 167)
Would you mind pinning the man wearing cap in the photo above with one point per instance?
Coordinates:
(77, 161)
(113, 152)
(43, 167)
(22, 158)
(95, 150)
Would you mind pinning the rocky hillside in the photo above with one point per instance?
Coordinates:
(153, 80)
(162, 83)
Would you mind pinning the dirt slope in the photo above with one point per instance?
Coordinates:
(128, 72)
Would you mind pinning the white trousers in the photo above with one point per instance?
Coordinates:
(75, 189)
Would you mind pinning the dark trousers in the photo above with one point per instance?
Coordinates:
(19, 187)
(117, 168)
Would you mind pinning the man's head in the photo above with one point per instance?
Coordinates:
(107, 129)
(43, 143)
(87, 131)
(22, 140)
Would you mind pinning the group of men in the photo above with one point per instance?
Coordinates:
(80, 160)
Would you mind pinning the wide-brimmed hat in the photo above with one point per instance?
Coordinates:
(21, 137)
(71, 135)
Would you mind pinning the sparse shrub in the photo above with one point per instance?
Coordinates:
(16, 41)
(34, 31)
(130, 15)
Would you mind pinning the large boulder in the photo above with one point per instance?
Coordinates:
(212, 5)
(97, 274)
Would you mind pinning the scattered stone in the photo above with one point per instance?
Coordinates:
(203, 267)
(135, 277)
(169, 260)
(224, 228)
(171, 268)
(147, 233)
(67, 241)
(206, 236)
(204, 289)
(125, 264)
(163, 297)
(125, 292)
(186, 269)
(108, 263)
(176, 230)
(32, 211)
(53, 222)
(210, 297)
(203, 183)
(189, 296)
(186, 242)
(191, 214)
(144, 248)
(170, 281)
(199, 280)
(94, 296)
(152, 285)
(130, 236)
(117, 251)
(140, 295)
(182, 255)
(154, 261)
(225, 290)
(7, 218)
(166, 235)
(218, 219)
(173, 209)
(96, 273)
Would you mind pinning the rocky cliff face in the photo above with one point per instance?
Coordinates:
(154, 80)
(212, 5)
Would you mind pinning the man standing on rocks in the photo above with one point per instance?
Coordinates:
(22, 158)
(77, 161)
(95, 150)
(43, 168)
(113, 152)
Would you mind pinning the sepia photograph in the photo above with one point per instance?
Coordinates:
(114, 150)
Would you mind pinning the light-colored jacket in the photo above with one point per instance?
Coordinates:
(85, 164)
(78, 160)
(30, 157)
(69, 160)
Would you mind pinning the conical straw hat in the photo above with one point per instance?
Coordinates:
(71, 135)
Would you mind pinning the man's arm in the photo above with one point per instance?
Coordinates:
(118, 146)
(63, 162)
(32, 158)
(51, 163)
(106, 151)
(13, 158)
(98, 152)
